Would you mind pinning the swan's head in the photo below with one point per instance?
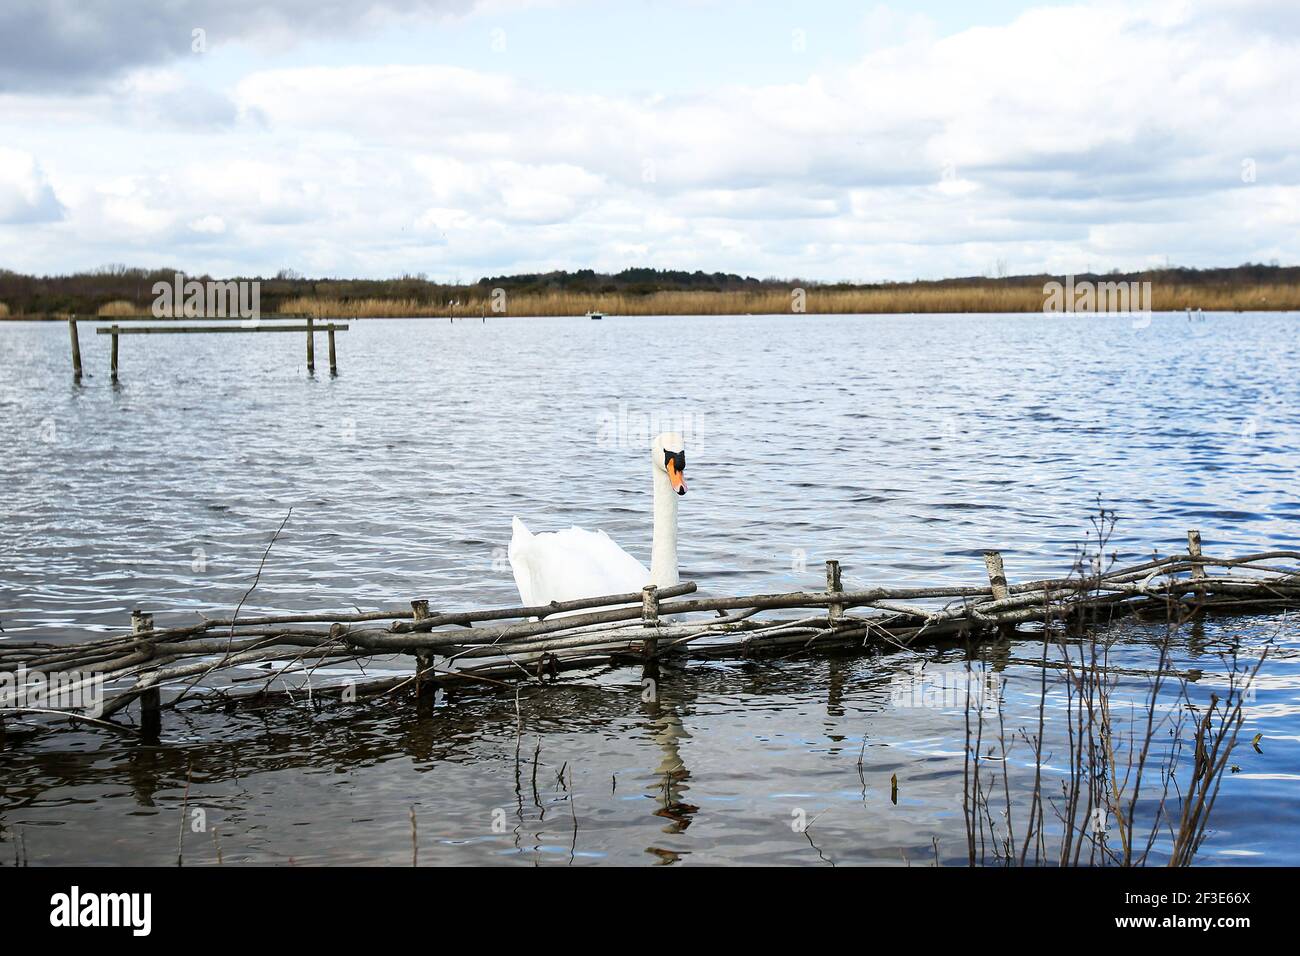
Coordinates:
(668, 454)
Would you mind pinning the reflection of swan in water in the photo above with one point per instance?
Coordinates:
(666, 731)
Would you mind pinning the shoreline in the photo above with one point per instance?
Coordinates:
(134, 293)
(468, 314)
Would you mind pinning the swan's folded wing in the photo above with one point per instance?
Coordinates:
(521, 563)
(612, 569)
(572, 564)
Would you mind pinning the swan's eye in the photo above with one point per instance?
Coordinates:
(677, 458)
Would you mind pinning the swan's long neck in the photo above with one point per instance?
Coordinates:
(663, 554)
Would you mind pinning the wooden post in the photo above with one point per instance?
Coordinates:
(1194, 550)
(311, 344)
(835, 612)
(425, 686)
(998, 585)
(112, 362)
(649, 619)
(1198, 569)
(76, 347)
(151, 699)
(997, 576)
(334, 362)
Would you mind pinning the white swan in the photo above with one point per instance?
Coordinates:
(573, 564)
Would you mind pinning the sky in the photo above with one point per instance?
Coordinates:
(827, 141)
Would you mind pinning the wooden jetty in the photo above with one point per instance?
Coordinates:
(309, 328)
(155, 668)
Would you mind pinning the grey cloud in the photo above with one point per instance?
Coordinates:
(76, 45)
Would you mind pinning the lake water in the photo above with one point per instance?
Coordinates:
(901, 445)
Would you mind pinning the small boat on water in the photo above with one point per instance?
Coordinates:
(595, 316)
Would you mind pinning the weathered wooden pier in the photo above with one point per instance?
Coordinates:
(309, 328)
(155, 668)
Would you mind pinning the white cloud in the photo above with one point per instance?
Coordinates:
(25, 194)
(211, 225)
(1103, 135)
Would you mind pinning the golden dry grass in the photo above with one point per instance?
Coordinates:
(360, 308)
(120, 307)
(4, 310)
(1248, 298)
(890, 299)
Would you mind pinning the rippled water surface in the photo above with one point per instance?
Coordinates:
(903, 446)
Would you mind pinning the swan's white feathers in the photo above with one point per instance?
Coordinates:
(571, 564)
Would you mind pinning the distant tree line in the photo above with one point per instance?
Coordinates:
(85, 293)
(631, 282)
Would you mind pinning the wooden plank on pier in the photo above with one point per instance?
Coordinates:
(186, 329)
(120, 330)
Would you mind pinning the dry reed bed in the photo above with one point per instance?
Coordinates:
(121, 308)
(890, 300)
(993, 298)
(509, 646)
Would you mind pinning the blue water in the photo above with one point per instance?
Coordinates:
(901, 445)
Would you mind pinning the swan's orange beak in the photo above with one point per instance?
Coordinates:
(676, 478)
